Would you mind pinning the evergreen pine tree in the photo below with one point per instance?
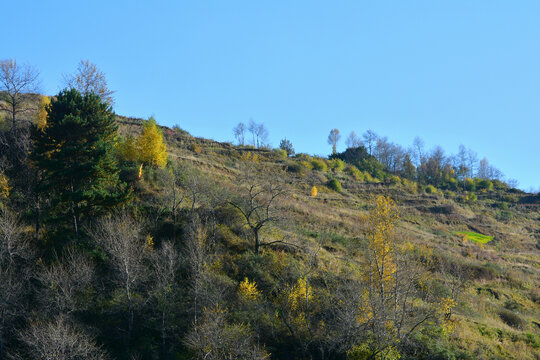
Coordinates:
(74, 152)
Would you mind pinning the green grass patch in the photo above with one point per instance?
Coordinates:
(476, 237)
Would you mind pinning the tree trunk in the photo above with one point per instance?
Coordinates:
(14, 111)
(163, 348)
(257, 244)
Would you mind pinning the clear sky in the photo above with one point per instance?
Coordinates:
(450, 72)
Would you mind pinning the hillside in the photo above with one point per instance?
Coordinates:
(497, 315)
(234, 252)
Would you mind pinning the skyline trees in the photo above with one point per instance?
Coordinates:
(416, 162)
(89, 79)
(333, 139)
(17, 81)
(259, 134)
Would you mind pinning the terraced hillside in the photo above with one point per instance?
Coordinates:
(498, 296)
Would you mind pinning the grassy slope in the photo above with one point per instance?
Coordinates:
(498, 313)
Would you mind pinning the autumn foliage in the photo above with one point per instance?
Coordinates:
(149, 147)
(380, 224)
(153, 150)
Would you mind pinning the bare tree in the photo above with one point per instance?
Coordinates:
(195, 184)
(353, 141)
(170, 196)
(261, 187)
(472, 160)
(259, 134)
(15, 256)
(17, 81)
(418, 151)
(460, 162)
(214, 339)
(370, 139)
(59, 339)
(262, 135)
(239, 133)
(66, 280)
(197, 257)
(89, 79)
(13, 245)
(252, 128)
(165, 264)
(333, 139)
(121, 237)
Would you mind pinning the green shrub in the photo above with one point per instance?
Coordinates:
(468, 184)
(502, 205)
(471, 198)
(484, 184)
(319, 165)
(410, 186)
(499, 185)
(335, 185)
(195, 148)
(354, 172)
(394, 180)
(303, 157)
(336, 165)
(280, 153)
(511, 318)
(504, 215)
(368, 178)
(430, 189)
(452, 184)
(296, 168)
(307, 164)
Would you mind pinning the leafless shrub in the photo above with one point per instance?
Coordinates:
(121, 237)
(58, 340)
(65, 280)
(214, 339)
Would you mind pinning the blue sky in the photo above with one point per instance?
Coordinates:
(451, 72)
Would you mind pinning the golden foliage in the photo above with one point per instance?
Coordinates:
(42, 112)
(250, 157)
(152, 149)
(314, 191)
(149, 244)
(4, 186)
(381, 223)
(446, 305)
(140, 171)
(300, 293)
(248, 290)
(365, 312)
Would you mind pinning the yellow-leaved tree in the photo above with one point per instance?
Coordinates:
(381, 223)
(42, 111)
(152, 148)
(4, 186)
(392, 304)
(248, 290)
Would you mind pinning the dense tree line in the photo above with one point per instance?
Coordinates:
(432, 167)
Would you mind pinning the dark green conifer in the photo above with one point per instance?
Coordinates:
(75, 154)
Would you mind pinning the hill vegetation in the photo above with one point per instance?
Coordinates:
(122, 239)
